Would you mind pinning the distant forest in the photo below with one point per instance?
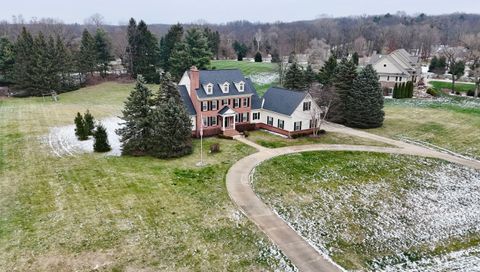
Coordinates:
(364, 34)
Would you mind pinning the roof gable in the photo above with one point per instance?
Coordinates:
(283, 101)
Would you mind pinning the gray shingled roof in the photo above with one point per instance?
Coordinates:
(256, 100)
(187, 101)
(282, 100)
(217, 77)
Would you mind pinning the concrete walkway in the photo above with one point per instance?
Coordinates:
(296, 248)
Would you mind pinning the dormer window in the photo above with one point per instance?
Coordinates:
(209, 88)
(240, 86)
(225, 87)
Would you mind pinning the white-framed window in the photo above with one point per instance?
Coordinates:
(307, 105)
(214, 105)
(313, 123)
(204, 105)
(241, 87)
(236, 102)
(388, 78)
(209, 121)
(297, 126)
(269, 120)
(256, 116)
(225, 87)
(225, 102)
(280, 123)
(246, 102)
(209, 88)
(241, 117)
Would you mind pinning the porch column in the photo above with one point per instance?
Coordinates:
(233, 118)
(223, 123)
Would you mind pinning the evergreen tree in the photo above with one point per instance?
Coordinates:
(395, 91)
(258, 57)
(89, 122)
(364, 103)
(7, 60)
(87, 56)
(433, 64)
(355, 58)
(457, 69)
(241, 50)
(213, 38)
(327, 71)
(103, 50)
(167, 44)
(294, 78)
(142, 52)
(342, 80)
(136, 132)
(64, 61)
(193, 51)
(44, 71)
(24, 60)
(100, 137)
(172, 127)
(309, 76)
(275, 56)
(80, 129)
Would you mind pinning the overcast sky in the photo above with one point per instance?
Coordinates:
(221, 11)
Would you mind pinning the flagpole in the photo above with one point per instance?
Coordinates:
(201, 140)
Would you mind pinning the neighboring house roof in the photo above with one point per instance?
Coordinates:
(282, 100)
(256, 100)
(219, 77)
(187, 101)
(400, 59)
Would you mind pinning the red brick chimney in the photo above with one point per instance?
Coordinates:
(194, 79)
(194, 85)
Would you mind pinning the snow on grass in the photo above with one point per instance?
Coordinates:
(264, 78)
(423, 220)
(63, 141)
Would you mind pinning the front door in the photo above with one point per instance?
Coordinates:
(227, 122)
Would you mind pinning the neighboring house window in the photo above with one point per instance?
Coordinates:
(307, 105)
(256, 116)
(214, 105)
(236, 102)
(297, 126)
(269, 121)
(204, 106)
(313, 123)
(280, 123)
(388, 78)
(400, 79)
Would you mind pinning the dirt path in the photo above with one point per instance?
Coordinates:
(296, 248)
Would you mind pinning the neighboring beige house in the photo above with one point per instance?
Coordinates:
(396, 67)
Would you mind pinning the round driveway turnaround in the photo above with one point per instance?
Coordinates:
(296, 248)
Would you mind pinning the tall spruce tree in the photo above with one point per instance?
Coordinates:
(342, 80)
(364, 103)
(103, 50)
(136, 131)
(294, 78)
(172, 127)
(100, 139)
(309, 76)
(326, 73)
(87, 55)
(167, 44)
(213, 38)
(24, 60)
(7, 60)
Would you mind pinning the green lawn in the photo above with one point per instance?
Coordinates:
(451, 123)
(460, 87)
(115, 213)
(373, 211)
(248, 68)
(270, 140)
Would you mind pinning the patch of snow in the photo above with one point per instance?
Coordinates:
(264, 78)
(63, 141)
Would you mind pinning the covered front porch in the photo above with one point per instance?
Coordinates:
(227, 121)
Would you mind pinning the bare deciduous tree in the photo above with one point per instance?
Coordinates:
(325, 97)
(472, 43)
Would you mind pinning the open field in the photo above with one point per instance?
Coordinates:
(451, 123)
(270, 140)
(89, 212)
(378, 212)
(459, 87)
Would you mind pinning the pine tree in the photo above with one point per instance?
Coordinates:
(241, 50)
(7, 60)
(213, 38)
(342, 80)
(136, 132)
(258, 57)
(24, 60)
(309, 76)
(172, 127)
(167, 44)
(80, 130)
(364, 103)
(103, 50)
(433, 64)
(89, 122)
(179, 60)
(100, 137)
(87, 56)
(131, 50)
(327, 71)
(355, 58)
(294, 78)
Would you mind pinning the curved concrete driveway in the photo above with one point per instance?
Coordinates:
(297, 249)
